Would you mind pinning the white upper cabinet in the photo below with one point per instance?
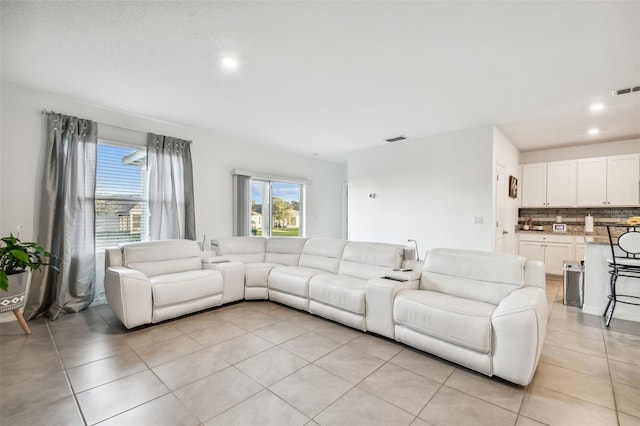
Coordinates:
(549, 184)
(609, 181)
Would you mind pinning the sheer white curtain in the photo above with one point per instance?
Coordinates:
(67, 219)
(171, 204)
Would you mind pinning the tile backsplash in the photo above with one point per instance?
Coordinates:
(574, 217)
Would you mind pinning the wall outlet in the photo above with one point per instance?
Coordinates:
(477, 220)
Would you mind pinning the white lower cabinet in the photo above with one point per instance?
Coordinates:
(580, 251)
(553, 250)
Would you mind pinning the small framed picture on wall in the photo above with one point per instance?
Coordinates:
(513, 187)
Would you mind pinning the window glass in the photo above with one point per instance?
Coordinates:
(276, 208)
(121, 204)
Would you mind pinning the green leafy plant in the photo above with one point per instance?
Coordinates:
(17, 256)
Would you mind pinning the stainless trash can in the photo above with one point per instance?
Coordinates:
(573, 283)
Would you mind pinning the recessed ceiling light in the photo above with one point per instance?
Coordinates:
(593, 131)
(597, 107)
(229, 63)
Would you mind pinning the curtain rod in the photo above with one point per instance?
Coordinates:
(45, 112)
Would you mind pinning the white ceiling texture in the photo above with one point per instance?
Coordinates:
(334, 77)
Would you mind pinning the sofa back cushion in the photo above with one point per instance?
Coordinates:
(370, 260)
(322, 253)
(155, 258)
(242, 249)
(477, 275)
(284, 250)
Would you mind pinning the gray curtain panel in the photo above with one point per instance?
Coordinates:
(241, 205)
(67, 219)
(171, 205)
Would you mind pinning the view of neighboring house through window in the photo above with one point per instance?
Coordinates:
(276, 208)
(121, 200)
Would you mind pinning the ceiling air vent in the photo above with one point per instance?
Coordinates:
(396, 139)
(626, 90)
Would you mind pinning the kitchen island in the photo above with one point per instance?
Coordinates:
(597, 278)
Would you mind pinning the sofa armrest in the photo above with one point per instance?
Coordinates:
(213, 259)
(380, 294)
(519, 327)
(232, 278)
(129, 295)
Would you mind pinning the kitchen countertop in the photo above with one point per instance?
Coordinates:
(588, 238)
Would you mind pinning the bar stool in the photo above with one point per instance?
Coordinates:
(624, 262)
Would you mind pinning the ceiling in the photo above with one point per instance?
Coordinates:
(333, 77)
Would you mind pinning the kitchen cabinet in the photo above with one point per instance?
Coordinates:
(553, 250)
(549, 184)
(580, 251)
(608, 181)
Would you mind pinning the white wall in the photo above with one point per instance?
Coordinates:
(630, 146)
(214, 156)
(428, 189)
(507, 155)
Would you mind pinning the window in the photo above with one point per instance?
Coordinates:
(121, 200)
(275, 208)
(268, 205)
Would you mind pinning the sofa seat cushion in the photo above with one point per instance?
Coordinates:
(456, 320)
(256, 274)
(340, 291)
(292, 279)
(171, 289)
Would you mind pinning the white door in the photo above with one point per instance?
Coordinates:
(502, 193)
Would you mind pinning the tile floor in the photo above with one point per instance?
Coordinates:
(258, 363)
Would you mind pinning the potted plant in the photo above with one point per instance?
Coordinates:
(17, 258)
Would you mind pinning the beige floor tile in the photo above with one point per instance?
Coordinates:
(310, 345)
(400, 387)
(419, 422)
(376, 346)
(263, 408)
(61, 412)
(196, 322)
(627, 399)
(577, 326)
(627, 420)
(113, 398)
(555, 408)
(337, 332)
(525, 421)
(306, 320)
(31, 394)
(628, 374)
(611, 336)
(423, 364)
(84, 353)
(271, 365)
(240, 348)
(449, 406)
(280, 332)
(573, 383)
(623, 353)
(212, 395)
(274, 309)
(189, 368)
(500, 393)
(152, 334)
(217, 333)
(30, 368)
(364, 409)
(20, 347)
(106, 370)
(349, 364)
(164, 411)
(235, 311)
(575, 343)
(589, 364)
(77, 336)
(255, 321)
(311, 389)
(167, 350)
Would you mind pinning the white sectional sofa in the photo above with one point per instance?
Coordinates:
(155, 281)
(486, 311)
